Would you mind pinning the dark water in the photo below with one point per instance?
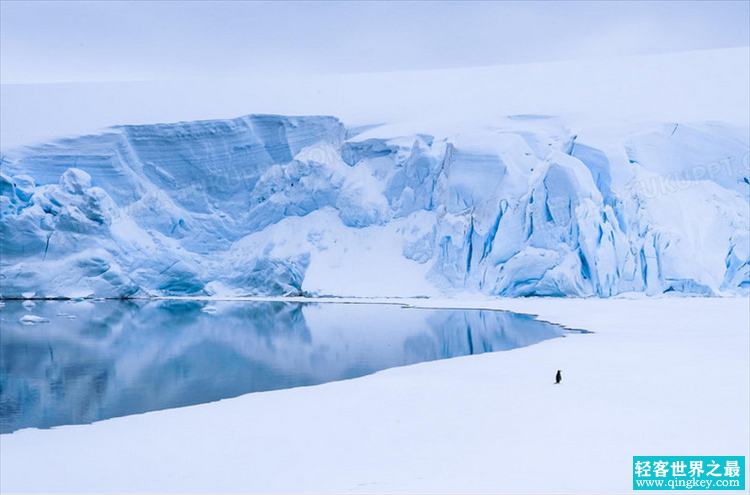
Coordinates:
(96, 360)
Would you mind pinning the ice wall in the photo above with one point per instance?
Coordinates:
(289, 205)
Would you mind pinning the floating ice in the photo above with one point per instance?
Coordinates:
(32, 320)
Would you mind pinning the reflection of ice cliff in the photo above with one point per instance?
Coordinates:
(284, 205)
(99, 360)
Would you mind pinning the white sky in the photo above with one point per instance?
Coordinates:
(118, 41)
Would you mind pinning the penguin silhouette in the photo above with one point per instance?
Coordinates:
(558, 377)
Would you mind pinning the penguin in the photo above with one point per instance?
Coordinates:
(558, 377)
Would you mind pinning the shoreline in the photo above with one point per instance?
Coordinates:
(653, 379)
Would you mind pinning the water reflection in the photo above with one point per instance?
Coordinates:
(98, 360)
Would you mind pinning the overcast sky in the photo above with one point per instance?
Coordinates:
(109, 41)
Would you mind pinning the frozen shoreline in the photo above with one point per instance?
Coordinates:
(660, 376)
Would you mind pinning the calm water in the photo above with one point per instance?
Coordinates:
(96, 360)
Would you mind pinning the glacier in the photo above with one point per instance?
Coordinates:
(266, 205)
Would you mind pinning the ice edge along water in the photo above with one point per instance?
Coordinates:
(149, 355)
(654, 377)
(275, 205)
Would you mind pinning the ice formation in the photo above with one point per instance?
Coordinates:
(272, 205)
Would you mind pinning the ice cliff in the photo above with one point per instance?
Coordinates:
(270, 205)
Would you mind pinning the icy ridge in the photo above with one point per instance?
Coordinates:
(268, 205)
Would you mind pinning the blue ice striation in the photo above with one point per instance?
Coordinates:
(249, 206)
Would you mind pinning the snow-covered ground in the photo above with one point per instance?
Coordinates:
(672, 87)
(653, 148)
(660, 376)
